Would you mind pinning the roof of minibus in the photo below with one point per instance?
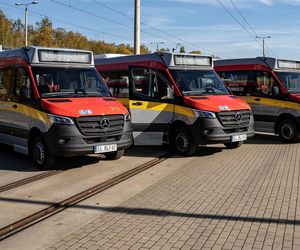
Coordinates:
(29, 53)
(166, 58)
(266, 61)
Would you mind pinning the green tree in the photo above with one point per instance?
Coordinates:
(18, 29)
(182, 50)
(164, 50)
(43, 34)
(196, 52)
(6, 31)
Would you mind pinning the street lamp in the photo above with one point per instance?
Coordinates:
(26, 16)
(263, 39)
(157, 45)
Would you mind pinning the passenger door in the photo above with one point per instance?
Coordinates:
(265, 102)
(20, 110)
(151, 105)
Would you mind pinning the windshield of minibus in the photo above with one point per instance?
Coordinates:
(69, 82)
(291, 81)
(199, 82)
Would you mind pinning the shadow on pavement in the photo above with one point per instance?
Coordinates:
(265, 139)
(163, 212)
(14, 161)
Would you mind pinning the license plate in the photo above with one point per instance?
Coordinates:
(235, 138)
(105, 148)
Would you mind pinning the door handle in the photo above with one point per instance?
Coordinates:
(256, 99)
(15, 106)
(137, 103)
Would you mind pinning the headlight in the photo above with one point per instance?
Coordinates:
(204, 114)
(127, 117)
(60, 119)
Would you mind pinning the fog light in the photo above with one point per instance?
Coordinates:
(207, 131)
(62, 141)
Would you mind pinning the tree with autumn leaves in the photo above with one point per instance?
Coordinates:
(43, 34)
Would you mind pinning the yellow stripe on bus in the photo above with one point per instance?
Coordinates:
(157, 106)
(273, 102)
(23, 109)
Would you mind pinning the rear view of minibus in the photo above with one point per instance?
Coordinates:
(177, 99)
(53, 103)
(272, 88)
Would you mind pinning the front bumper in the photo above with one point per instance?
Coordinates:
(77, 144)
(211, 131)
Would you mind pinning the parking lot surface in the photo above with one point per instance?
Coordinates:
(224, 199)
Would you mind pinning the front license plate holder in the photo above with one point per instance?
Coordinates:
(105, 148)
(236, 138)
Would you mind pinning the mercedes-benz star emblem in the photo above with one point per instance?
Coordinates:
(238, 116)
(104, 123)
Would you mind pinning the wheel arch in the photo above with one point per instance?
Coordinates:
(34, 132)
(175, 125)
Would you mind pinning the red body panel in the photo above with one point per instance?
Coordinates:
(99, 106)
(242, 67)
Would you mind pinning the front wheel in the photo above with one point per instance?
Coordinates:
(114, 155)
(183, 142)
(40, 154)
(233, 145)
(288, 131)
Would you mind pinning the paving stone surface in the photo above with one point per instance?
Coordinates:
(246, 198)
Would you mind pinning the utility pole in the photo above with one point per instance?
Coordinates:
(137, 27)
(26, 17)
(157, 45)
(263, 40)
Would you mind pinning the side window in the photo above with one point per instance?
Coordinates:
(241, 83)
(6, 82)
(22, 90)
(149, 84)
(117, 82)
(266, 85)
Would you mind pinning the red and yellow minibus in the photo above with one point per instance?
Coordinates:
(54, 103)
(178, 99)
(272, 88)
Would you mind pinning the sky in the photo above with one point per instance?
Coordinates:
(226, 28)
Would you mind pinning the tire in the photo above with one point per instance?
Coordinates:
(183, 142)
(40, 154)
(114, 155)
(233, 145)
(288, 131)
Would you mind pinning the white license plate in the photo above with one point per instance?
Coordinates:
(235, 138)
(105, 148)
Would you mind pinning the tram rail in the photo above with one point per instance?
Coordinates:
(55, 208)
(28, 180)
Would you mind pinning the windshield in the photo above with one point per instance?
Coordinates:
(199, 82)
(69, 82)
(291, 81)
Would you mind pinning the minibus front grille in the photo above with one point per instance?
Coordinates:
(91, 125)
(234, 118)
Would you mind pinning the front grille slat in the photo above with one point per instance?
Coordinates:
(90, 125)
(228, 118)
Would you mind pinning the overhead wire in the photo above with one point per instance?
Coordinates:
(249, 25)
(179, 40)
(238, 21)
(66, 22)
